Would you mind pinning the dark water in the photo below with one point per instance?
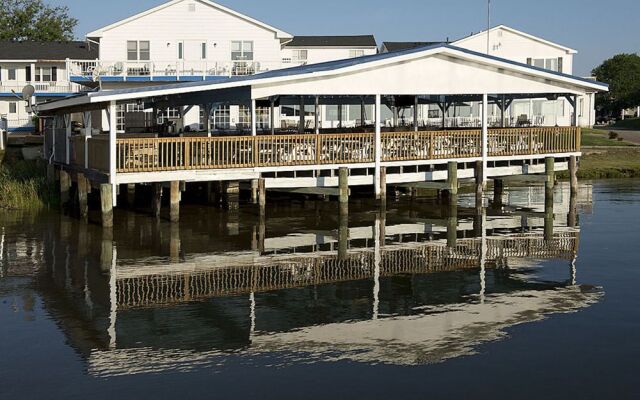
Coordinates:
(420, 301)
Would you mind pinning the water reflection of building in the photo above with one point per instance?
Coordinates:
(395, 289)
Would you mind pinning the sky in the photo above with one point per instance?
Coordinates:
(597, 29)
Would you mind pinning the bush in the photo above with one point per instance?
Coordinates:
(613, 135)
(24, 186)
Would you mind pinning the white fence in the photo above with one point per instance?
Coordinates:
(41, 87)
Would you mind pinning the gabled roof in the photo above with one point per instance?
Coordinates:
(326, 70)
(520, 33)
(49, 51)
(280, 34)
(397, 46)
(333, 41)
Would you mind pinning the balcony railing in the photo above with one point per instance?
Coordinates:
(150, 69)
(41, 87)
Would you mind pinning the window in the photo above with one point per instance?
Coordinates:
(45, 74)
(203, 50)
(581, 107)
(552, 64)
(120, 118)
(138, 50)
(356, 53)
(222, 117)
(13, 107)
(135, 107)
(244, 117)
(192, 7)
(263, 117)
(180, 50)
(241, 50)
(299, 55)
(145, 50)
(12, 74)
(132, 50)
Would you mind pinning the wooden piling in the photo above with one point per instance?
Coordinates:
(548, 213)
(106, 204)
(84, 187)
(479, 184)
(573, 173)
(175, 194)
(498, 191)
(343, 183)
(452, 178)
(383, 183)
(131, 195)
(262, 193)
(550, 170)
(254, 191)
(65, 187)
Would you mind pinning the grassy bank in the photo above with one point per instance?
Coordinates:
(609, 163)
(597, 137)
(23, 184)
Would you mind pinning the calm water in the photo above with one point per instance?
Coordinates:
(420, 301)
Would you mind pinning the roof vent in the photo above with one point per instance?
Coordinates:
(192, 7)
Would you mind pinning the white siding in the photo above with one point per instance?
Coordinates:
(168, 26)
(512, 46)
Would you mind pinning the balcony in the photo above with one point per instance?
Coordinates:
(60, 88)
(93, 70)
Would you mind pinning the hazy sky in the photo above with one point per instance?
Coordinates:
(597, 29)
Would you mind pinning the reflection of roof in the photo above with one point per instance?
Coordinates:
(333, 41)
(440, 333)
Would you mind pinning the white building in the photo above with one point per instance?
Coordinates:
(42, 65)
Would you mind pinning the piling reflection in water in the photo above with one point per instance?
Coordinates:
(415, 283)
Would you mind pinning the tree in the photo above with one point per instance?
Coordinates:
(34, 20)
(622, 73)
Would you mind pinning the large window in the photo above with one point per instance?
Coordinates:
(356, 53)
(46, 74)
(12, 74)
(244, 117)
(299, 55)
(222, 117)
(241, 50)
(138, 50)
(553, 64)
(13, 107)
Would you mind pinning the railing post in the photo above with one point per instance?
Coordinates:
(256, 152)
(187, 153)
(578, 138)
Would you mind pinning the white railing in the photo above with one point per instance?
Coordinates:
(41, 87)
(96, 68)
(17, 122)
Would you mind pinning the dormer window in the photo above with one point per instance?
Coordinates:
(192, 7)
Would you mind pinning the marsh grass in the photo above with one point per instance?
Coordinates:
(23, 184)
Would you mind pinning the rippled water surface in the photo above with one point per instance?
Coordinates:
(420, 300)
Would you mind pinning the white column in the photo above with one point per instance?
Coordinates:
(415, 114)
(378, 148)
(485, 136)
(207, 110)
(67, 137)
(317, 115)
(112, 148)
(254, 123)
(88, 122)
(272, 116)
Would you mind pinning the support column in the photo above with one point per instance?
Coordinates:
(363, 114)
(452, 178)
(65, 187)
(207, 111)
(317, 115)
(156, 199)
(573, 173)
(485, 137)
(343, 231)
(548, 213)
(498, 190)
(175, 195)
(254, 191)
(272, 115)
(479, 186)
(67, 138)
(572, 217)
(383, 183)
(106, 204)
(378, 149)
(262, 193)
(83, 193)
(131, 195)
(88, 123)
(112, 148)
(502, 107)
(452, 222)
(550, 164)
(343, 182)
(301, 121)
(415, 113)
(254, 123)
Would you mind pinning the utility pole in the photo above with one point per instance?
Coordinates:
(488, 25)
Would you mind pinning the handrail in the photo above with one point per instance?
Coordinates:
(188, 153)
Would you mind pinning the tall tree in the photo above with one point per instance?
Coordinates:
(35, 20)
(622, 73)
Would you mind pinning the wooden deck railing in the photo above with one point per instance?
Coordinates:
(184, 153)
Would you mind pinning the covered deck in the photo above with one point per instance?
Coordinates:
(374, 155)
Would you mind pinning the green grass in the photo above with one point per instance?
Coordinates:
(632, 123)
(597, 137)
(610, 163)
(23, 184)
